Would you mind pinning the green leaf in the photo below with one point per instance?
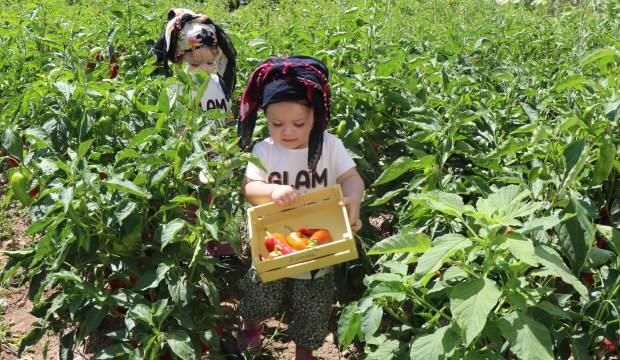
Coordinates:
(604, 56)
(387, 350)
(470, 304)
(39, 135)
(605, 162)
(116, 351)
(181, 199)
(91, 321)
(523, 250)
(552, 309)
(163, 102)
(612, 235)
(127, 154)
(528, 338)
(160, 175)
(371, 320)
(181, 344)
(612, 109)
(575, 156)
(401, 166)
(438, 345)
(143, 313)
(598, 257)
(127, 187)
(447, 203)
(531, 113)
(390, 290)
(349, 325)
(387, 197)
(67, 276)
(66, 346)
(31, 339)
(151, 280)
(572, 153)
(401, 242)
(178, 291)
(170, 230)
(84, 147)
(47, 166)
(576, 235)
(12, 143)
(66, 196)
(396, 169)
(540, 224)
(124, 210)
(552, 261)
(442, 248)
(575, 82)
(142, 137)
(65, 89)
(505, 205)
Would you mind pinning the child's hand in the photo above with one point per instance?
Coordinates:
(284, 195)
(353, 209)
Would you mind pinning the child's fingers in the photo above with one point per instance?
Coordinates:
(356, 225)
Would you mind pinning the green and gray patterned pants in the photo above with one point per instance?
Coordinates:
(311, 305)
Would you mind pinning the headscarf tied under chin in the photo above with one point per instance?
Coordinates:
(187, 31)
(287, 79)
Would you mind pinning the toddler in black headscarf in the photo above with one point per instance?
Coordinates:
(299, 155)
(194, 39)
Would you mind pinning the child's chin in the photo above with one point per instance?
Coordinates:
(291, 146)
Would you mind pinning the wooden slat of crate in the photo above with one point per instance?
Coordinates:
(300, 268)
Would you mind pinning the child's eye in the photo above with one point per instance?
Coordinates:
(276, 124)
(300, 125)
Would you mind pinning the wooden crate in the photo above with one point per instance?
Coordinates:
(316, 209)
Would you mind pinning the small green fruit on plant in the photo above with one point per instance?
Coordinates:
(19, 186)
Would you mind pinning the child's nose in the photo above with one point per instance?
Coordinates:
(288, 130)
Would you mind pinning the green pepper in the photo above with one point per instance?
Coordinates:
(179, 160)
(105, 126)
(131, 236)
(19, 186)
(602, 169)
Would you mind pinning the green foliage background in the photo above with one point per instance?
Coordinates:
(465, 118)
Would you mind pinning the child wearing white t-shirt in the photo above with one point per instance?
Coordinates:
(194, 39)
(299, 156)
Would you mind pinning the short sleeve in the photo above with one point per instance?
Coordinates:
(253, 172)
(343, 161)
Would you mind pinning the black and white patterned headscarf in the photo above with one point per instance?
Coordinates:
(187, 31)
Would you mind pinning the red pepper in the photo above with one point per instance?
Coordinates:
(588, 279)
(308, 232)
(610, 345)
(273, 242)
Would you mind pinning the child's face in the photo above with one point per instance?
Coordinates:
(290, 123)
(202, 59)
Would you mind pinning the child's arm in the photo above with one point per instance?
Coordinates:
(259, 192)
(353, 191)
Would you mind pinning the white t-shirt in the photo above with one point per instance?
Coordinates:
(213, 97)
(290, 167)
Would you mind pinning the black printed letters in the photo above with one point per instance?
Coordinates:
(302, 179)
